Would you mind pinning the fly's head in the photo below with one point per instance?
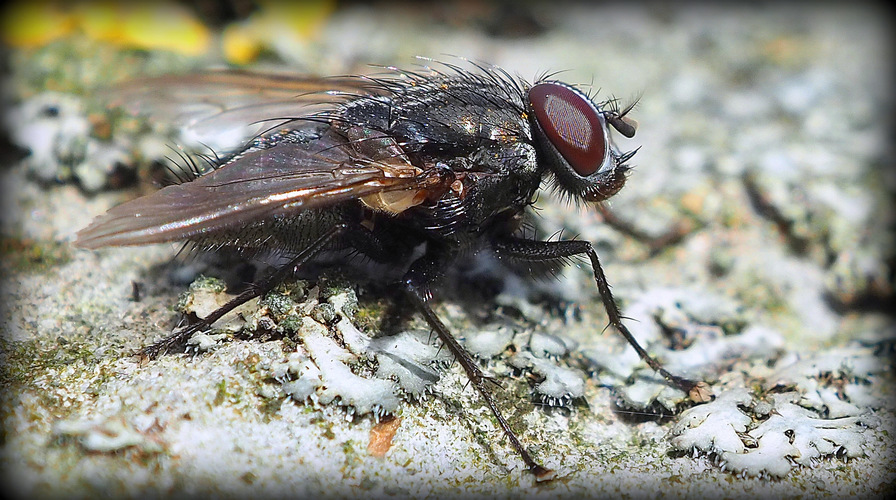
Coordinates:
(573, 139)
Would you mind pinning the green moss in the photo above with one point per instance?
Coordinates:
(369, 314)
(220, 393)
(351, 455)
(323, 313)
(208, 283)
(297, 289)
(288, 344)
(334, 284)
(328, 430)
(280, 306)
(30, 256)
(269, 408)
(367, 483)
(42, 370)
(77, 65)
(18, 360)
(22, 361)
(290, 325)
(202, 283)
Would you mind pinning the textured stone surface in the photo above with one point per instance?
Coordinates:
(765, 130)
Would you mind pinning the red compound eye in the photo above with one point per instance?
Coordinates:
(572, 123)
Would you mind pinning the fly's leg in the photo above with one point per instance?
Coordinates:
(541, 251)
(655, 243)
(416, 283)
(609, 182)
(255, 290)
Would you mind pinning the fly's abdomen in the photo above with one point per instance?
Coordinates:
(285, 234)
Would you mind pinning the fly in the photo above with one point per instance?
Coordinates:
(444, 161)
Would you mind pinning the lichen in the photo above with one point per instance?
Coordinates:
(692, 332)
(768, 436)
(24, 255)
(558, 385)
(836, 383)
(106, 435)
(335, 362)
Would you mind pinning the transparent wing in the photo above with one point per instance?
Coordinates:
(223, 109)
(285, 178)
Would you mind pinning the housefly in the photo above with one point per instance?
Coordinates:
(414, 170)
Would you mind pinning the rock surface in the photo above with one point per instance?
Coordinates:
(765, 131)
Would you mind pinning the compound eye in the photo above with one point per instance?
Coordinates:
(572, 123)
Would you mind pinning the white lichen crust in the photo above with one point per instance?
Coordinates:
(770, 437)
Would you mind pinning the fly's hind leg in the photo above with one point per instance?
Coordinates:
(255, 290)
(655, 243)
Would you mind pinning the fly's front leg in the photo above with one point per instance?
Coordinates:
(672, 236)
(416, 282)
(255, 290)
(541, 251)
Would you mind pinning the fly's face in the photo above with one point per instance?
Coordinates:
(573, 140)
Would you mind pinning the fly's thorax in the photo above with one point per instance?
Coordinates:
(443, 117)
(477, 130)
(500, 179)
